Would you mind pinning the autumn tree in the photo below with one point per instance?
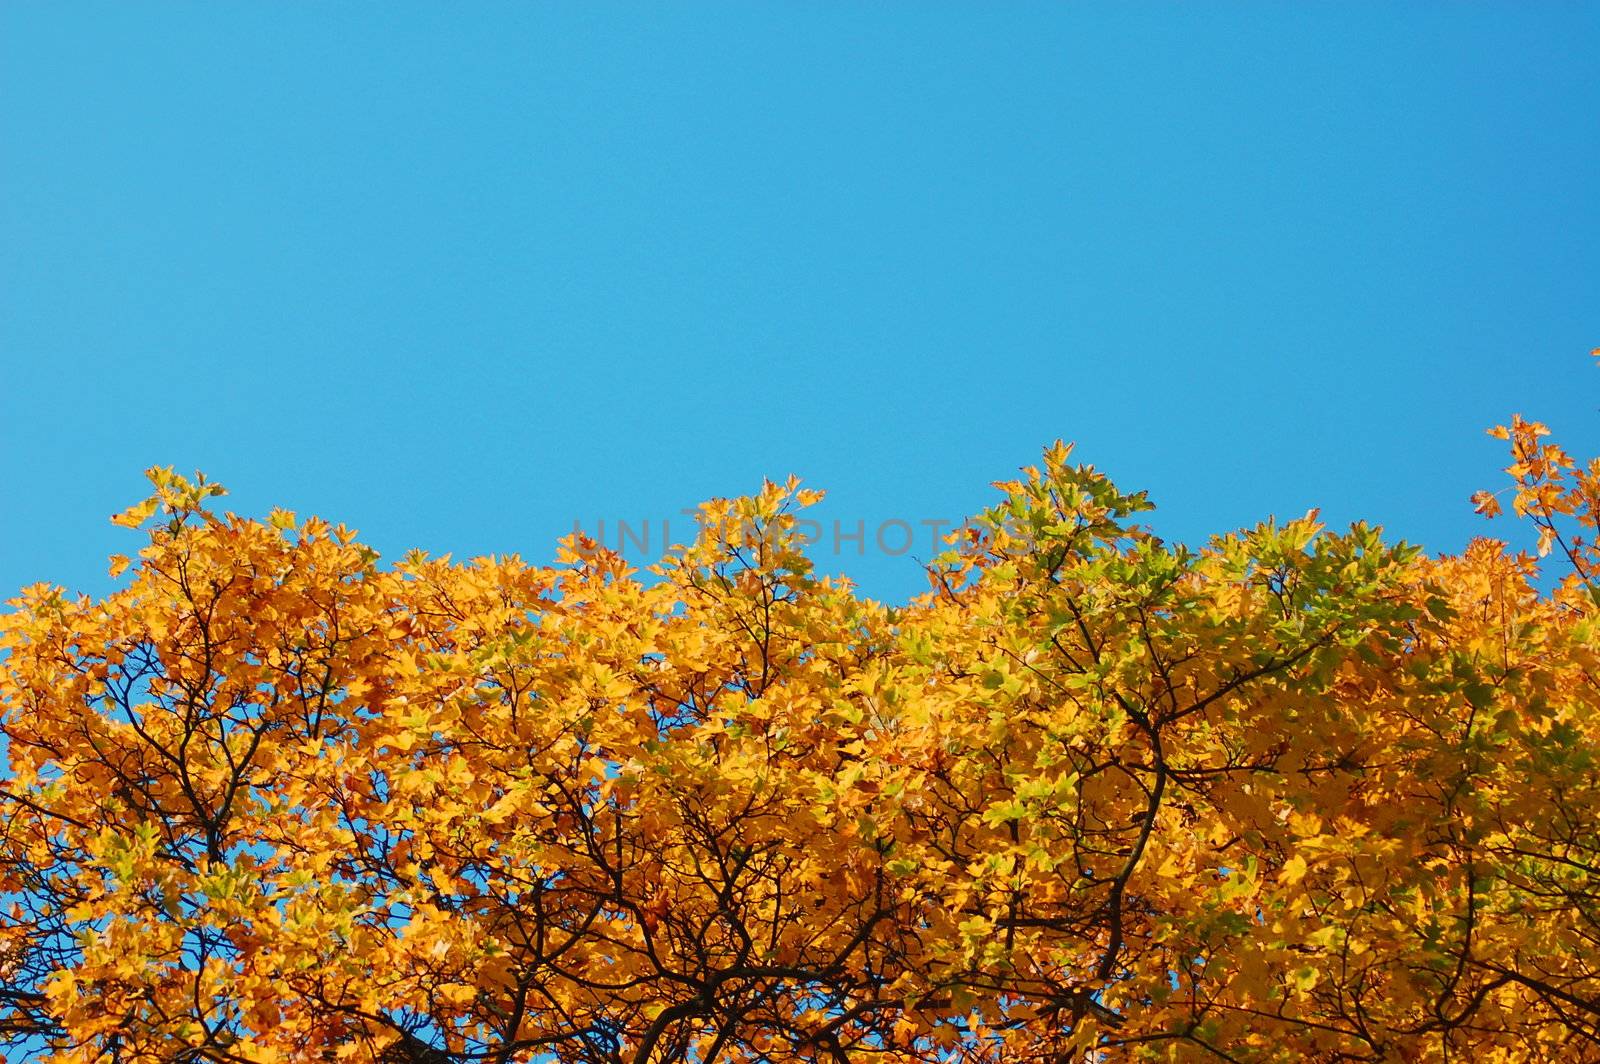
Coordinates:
(1296, 795)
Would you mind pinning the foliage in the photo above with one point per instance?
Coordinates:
(1296, 796)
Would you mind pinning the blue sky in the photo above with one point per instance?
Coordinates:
(461, 276)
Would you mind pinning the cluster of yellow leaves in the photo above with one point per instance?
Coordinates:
(1295, 796)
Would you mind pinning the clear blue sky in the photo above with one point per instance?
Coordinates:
(461, 275)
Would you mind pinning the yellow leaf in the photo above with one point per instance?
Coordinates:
(135, 515)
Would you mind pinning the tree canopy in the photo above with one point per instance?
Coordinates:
(1295, 795)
